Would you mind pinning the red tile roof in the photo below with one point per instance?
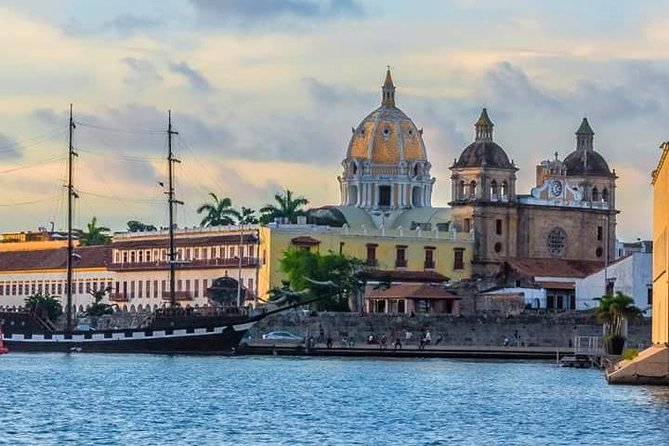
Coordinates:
(90, 257)
(410, 291)
(553, 267)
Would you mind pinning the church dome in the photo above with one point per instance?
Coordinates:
(387, 136)
(584, 160)
(484, 152)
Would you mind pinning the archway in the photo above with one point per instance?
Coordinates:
(417, 196)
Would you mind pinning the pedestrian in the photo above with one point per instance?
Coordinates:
(421, 343)
(398, 343)
(440, 337)
(351, 341)
(428, 338)
(383, 342)
(328, 343)
(506, 341)
(407, 337)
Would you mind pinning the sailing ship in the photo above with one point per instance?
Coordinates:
(172, 329)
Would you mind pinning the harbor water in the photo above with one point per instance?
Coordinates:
(87, 399)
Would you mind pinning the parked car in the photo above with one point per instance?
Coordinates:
(282, 336)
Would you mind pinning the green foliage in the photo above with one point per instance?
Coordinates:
(614, 310)
(94, 234)
(301, 265)
(247, 216)
(218, 212)
(138, 226)
(286, 206)
(45, 305)
(630, 353)
(98, 308)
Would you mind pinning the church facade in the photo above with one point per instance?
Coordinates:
(569, 216)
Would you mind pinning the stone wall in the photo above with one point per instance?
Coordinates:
(553, 330)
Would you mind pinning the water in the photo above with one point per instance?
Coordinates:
(85, 399)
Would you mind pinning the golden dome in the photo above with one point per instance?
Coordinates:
(387, 136)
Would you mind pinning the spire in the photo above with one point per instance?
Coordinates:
(484, 127)
(584, 136)
(388, 89)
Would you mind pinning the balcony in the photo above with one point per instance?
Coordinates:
(247, 262)
(400, 263)
(118, 297)
(178, 295)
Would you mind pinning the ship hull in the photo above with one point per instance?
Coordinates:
(208, 340)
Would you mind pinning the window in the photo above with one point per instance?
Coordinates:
(461, 189)
(132, 289)
(504, 190)
(609, 288)
(155, 288)
(81, 287)
(599, 251)
(371, 254)
(250, 285)
(605, 195)
(179, 285)
(649, 296)
(139, 289)
(498, 226)
(472, 189)
(458, 258)
(493, 190)
(196, 287)
(132, 257)
(557, 242)
(595, 194)
(467, 226)
(400, 258)
(600, 232)
(125, 257)
(140, 256)
(429, 257)
(498, 247)
(384, 196)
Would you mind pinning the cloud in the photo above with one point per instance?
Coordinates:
(122, 25)
(143, 73)
(253, 12)
(10, 148)
(196, 79)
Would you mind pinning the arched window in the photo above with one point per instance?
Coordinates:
(472, 188)
(461, 189)
(605, 195)
(494, 190)
(595, 194)
(504, 190)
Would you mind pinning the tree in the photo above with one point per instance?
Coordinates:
(302, 267)
(613, 312)
(98, 308)
(94, 234)
(247, 216)
(218, 212)
(286, 206)
(138, 226)
(45, 305)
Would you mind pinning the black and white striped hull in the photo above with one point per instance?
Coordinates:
(211, 340)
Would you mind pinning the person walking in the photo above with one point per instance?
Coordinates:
(428, 338)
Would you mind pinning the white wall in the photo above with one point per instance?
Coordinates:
(631, 275)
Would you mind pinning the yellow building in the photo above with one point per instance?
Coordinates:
(652, 364)
(444, 253)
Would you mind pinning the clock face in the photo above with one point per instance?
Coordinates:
(556, 188)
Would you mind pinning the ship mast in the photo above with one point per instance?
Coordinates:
(171, 201)
(71, 195)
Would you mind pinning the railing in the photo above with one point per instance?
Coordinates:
(178, 295)
(588, 345)
(194, 263)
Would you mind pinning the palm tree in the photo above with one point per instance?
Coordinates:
(613, 312)
(45, 305)
(247, 216)
(219, 212)
(286, 207)
(94, 234)
(99, 308)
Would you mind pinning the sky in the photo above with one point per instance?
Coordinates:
(264, 94)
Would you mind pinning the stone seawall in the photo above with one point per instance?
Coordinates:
(552, 330)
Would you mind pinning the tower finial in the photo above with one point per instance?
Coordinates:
(388, 90)
(585, 136)
(484, 127)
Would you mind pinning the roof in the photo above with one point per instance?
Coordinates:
(404, 276)
(585, 128)
(162, 242)
(422, 215)
(484, 120)
(47, 259)
(305, 240)
(484, 153)
(586, 162)
(410, 291)
(557, 285)
(532, 267)
(665, 149)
